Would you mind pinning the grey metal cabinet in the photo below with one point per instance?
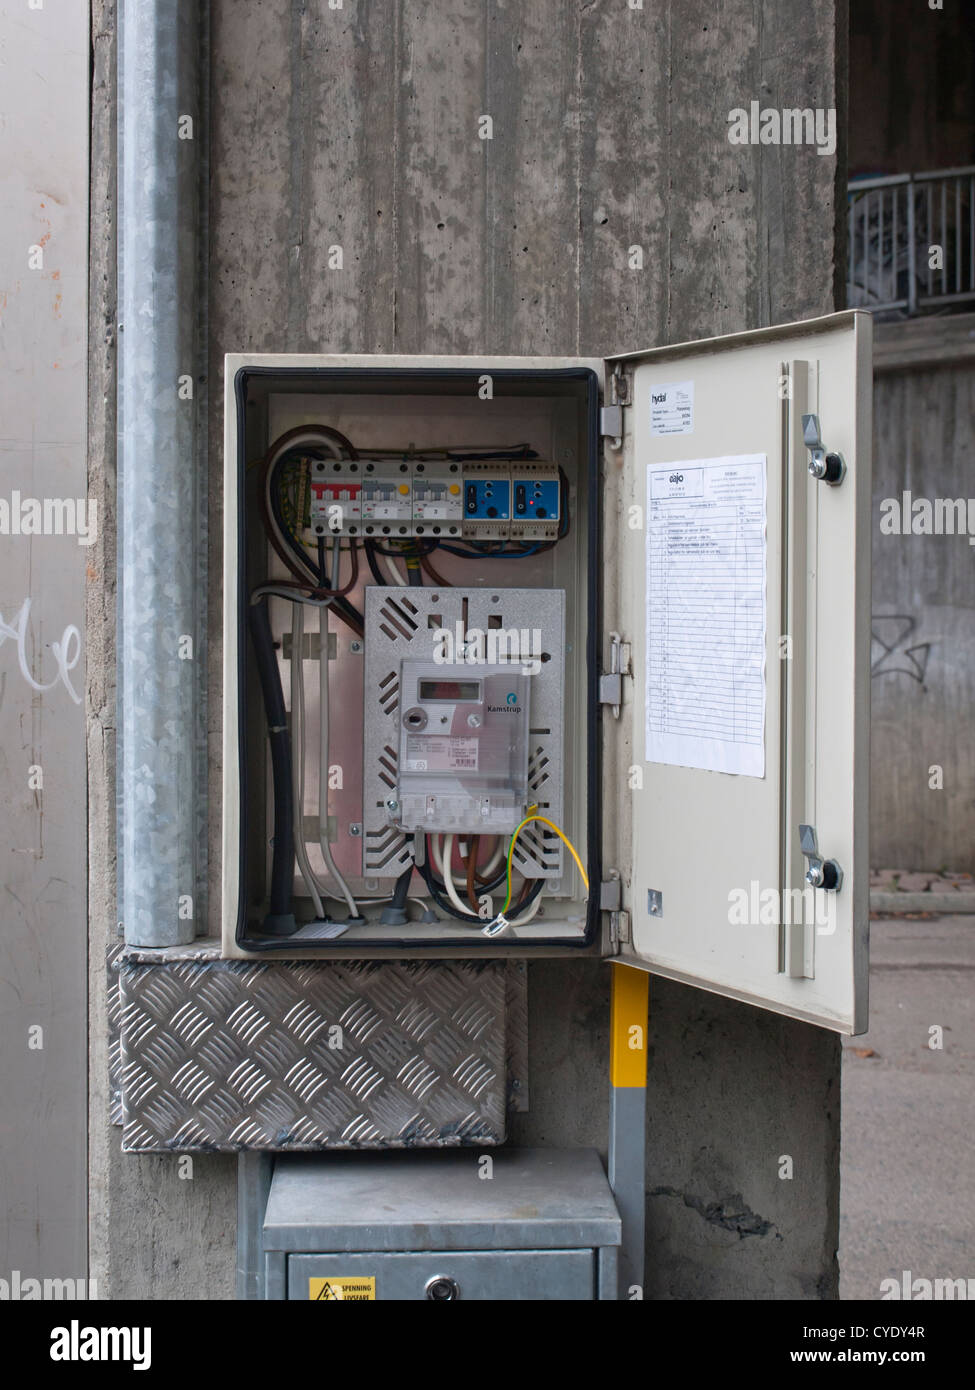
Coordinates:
(511, 1225)
(485, 1275)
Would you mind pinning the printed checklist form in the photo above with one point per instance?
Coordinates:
(706, 628)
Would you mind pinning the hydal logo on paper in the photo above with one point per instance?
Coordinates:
(77, 1343)
(792, 126)
(756, 906)
(49, 516)
(922, 516)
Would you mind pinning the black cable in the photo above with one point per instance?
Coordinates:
(441, 900)
(402, 889)
(341, 606)
(415, 552)
(446, 906)
(280, 920)
(373, 563)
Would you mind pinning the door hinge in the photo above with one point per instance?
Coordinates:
(611, 901)
(619, 928)
(611, 422)
(611, 681)
(611, 414)
(611, 892)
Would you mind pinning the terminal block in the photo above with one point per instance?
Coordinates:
(487, 501)
(536, 501)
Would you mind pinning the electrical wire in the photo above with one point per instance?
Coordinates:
(533, 902)
(323, 739)
(471, 866)
(394, 574)
(297, 758)
(452, 894)
(485, 871)
(373, 563)
(562, 836)
(434, 574)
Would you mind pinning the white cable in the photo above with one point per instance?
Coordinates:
(323, 766)
(436, 853)
(448, 879)
(297, 756)
(486, 870)
(393, 571)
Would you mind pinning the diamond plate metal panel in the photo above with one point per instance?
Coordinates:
(229, 1055)
(516, 1035)
(112, 957)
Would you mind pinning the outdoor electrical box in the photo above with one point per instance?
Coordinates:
(535, 656)
(426, 1227)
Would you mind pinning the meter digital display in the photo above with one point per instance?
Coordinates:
(453, 691)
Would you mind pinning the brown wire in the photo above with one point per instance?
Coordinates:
(471, 867)
(486, 878)
(434, 575)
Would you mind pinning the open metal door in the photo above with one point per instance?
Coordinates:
(744, 593)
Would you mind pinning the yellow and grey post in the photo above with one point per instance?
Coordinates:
(629, 1013)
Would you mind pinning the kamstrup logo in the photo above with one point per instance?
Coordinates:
(77, 1343)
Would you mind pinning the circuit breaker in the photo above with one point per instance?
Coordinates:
(582, 666)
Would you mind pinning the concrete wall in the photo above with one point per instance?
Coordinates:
(923, 676)
(359, 127)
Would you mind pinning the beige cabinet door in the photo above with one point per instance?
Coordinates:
(744, 594)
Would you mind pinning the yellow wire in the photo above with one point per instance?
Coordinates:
(562, 836)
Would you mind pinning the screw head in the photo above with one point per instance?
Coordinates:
(355, 829)
(355, 646)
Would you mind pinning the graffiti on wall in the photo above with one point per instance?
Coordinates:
(894, 652)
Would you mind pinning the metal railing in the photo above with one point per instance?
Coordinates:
(912, 241)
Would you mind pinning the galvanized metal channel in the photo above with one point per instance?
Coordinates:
(162, 471)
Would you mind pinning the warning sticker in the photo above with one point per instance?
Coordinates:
(441, 754)
(339, 1287)
(672, 408)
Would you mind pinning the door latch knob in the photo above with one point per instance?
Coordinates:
(821, 873)
(826, 466)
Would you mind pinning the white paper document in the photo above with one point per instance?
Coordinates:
(706, 583)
